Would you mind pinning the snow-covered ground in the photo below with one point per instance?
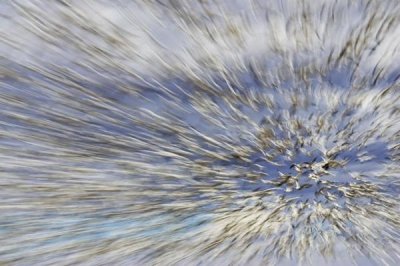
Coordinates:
(199, 132)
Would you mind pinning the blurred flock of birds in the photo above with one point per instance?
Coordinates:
(199, 132)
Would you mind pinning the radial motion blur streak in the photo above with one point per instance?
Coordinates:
(199, 132)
